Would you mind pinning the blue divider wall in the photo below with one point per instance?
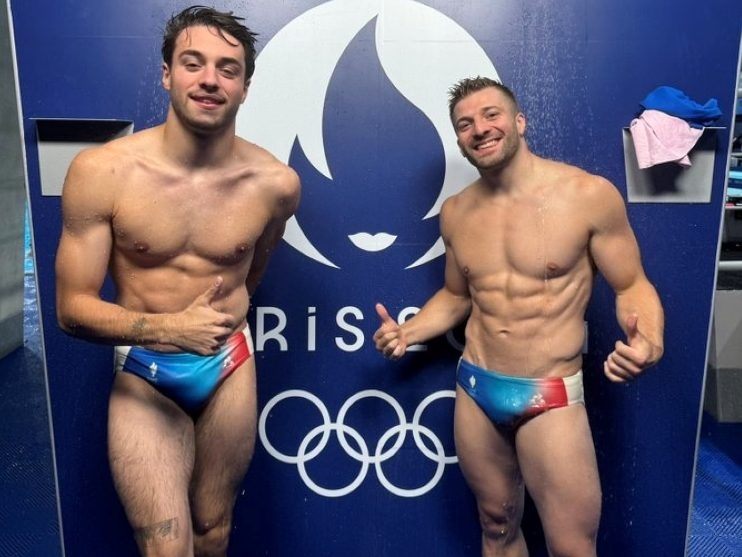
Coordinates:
(352, 94)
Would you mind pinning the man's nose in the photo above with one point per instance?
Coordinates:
(209, 77)
(479, 126)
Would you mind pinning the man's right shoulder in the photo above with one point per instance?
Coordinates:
(458, 200)
(90, 158)
(112, 154)
(98, 172)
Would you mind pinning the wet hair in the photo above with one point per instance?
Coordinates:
(469, 85)
(225, 23)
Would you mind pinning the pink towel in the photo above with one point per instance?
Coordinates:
(659, 138)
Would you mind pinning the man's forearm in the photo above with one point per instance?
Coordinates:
(644, 301)
(439, 315)
(100, 321)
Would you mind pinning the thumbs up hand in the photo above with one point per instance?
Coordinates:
(201, 328)
(631, 357)
(389, 337)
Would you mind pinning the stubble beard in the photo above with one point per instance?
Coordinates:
(498, 160)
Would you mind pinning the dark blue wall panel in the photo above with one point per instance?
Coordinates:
(580, 69)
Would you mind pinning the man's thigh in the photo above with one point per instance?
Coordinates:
(487, 459)
(151, 451)
(225, 440)
(557, 459)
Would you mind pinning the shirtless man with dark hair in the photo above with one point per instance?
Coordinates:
(184, 217)
(523, 245)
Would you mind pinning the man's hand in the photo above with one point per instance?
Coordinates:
(202, 329)
(389, 337)
(632, 357)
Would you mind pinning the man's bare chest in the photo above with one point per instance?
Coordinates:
(219, 228)
(529, 243)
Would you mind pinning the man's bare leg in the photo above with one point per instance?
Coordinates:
(151, 451)
(225, 439)
(489, 464)
(557, 458)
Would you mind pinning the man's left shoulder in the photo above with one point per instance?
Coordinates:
(282, 177)
(270, 171)
(597, 197)
(585, 182)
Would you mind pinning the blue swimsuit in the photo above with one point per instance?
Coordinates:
(188, 379)
(511, 401)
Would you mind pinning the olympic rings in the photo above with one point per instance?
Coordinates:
(385, 449)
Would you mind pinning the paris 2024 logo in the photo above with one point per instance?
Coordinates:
(353, 95)
(368, 80)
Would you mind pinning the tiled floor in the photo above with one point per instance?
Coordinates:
(28, 508)
(28, 513)
(716, 526)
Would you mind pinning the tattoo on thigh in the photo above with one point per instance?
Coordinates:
(166, 530)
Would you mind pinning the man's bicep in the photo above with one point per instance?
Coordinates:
(616, 254)
(86, 238)
(263, 250)
(612, 244)
(454, 279)
(82, 260)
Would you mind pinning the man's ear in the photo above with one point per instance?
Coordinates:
(520, 121)
(166, 76)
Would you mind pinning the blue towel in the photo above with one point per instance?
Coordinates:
(676, 103)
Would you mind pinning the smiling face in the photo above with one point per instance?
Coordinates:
(206, 79)
(489, 128)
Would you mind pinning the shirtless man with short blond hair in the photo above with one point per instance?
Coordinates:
(184, 217)
(523, 245)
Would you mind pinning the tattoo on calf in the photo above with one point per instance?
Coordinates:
(167, 530)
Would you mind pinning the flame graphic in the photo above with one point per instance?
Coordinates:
(422, 52)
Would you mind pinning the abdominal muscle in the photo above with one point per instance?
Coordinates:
(539, 333)
(172, 289)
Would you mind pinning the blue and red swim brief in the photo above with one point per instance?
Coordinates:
(511, 401)
(186, 378)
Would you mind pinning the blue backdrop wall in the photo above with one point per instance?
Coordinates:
(356, 453)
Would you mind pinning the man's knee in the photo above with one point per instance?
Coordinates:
(573, 546)
(211, 537)
(576, 538)
(500, 527)
(575, 532)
